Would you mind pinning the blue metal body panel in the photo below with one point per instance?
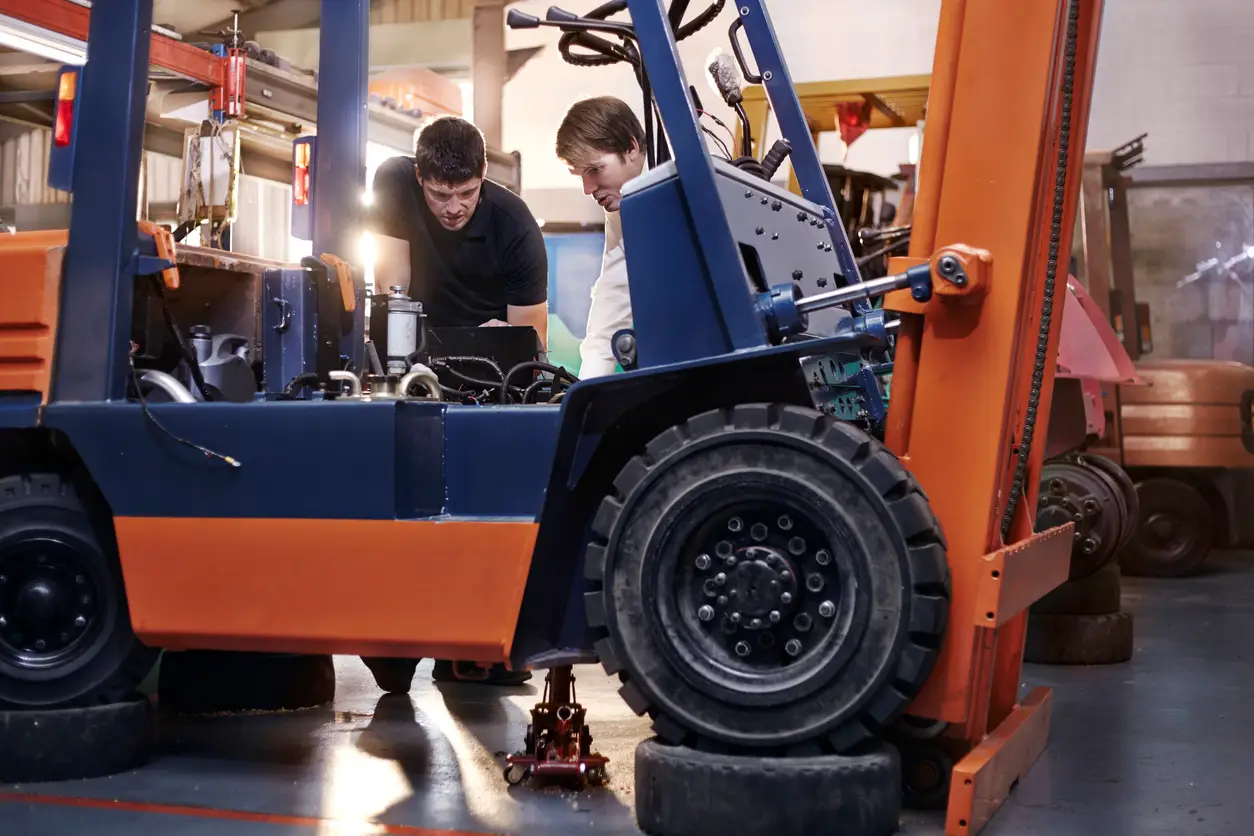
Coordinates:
(721, 271)
(19, 409)
(289, 322)
(61, 160)
(315, 459)
(340, 165)
(93, 335)
(793, 126)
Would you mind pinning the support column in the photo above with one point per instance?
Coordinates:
(488, 68)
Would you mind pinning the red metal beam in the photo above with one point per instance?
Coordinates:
(71, 20)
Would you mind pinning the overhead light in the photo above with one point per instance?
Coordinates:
(22, 36)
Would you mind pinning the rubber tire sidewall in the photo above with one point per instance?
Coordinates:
(684, 792)
(1184, 499)
(75, 743)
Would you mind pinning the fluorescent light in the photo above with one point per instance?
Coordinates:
(22, 36)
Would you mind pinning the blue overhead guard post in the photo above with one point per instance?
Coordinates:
(93, 335)
(340, 161)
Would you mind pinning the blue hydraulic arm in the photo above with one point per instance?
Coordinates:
(340, 161)
(774, 76)
(101, 259)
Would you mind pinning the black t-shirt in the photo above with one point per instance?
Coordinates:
(467, 277)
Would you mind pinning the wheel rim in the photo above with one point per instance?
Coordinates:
(1167, 536)
(52, 603)
(756, 595)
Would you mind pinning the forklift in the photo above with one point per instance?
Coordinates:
(784, 577)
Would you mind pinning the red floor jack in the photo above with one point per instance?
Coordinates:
(558, 745)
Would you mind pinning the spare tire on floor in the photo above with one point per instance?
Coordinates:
(684, 792)
(70, 744)
(212, 681)
(1079, 639)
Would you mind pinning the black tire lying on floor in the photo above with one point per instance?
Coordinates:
(1098, 594)
(212, 682)
(74, 743)
(684, 792)
(1079, 639)
(770, 580)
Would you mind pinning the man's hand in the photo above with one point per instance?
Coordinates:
(494, 323)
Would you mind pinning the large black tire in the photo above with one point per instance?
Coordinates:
(212, 682)
(69, 744)
(1079, 639)
(683, 792)
(1098, 594)
(1127, 489)
(729, 510)
(65, 629)
(1175, 531)
(1074, 491)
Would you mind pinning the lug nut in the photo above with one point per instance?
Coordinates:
(827, 609)
(742, 648)
(1090, 545)
(1090, 506)
(720, 579)
(796, 545)
(723, 549)
(4, 622)
(822, 557)
(774, 616)
(722, 600)
(734, 618)
(80, 579)
(40, 645)
(755, 624)
(785, 598)
(802, 622)
(814, 582)
(705, 613)
(784, 522)
(793, 647)
(735, 524)
(80, 622)
(759, 531)
(703, 562)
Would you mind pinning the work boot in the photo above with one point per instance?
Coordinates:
(448, 671)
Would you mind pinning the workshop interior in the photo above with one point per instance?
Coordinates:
(918, 502)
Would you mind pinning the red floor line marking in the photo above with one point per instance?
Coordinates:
(229, 815)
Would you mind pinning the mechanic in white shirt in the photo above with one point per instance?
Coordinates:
(602, 141)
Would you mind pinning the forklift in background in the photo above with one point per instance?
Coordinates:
(782, 576)
(1185, 437)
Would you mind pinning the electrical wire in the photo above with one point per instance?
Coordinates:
(143, 402)
(721, 124)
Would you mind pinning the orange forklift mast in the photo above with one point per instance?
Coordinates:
(774, 580)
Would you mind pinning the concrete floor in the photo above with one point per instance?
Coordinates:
(1162, 745)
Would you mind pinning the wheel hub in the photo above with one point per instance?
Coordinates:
(48, 603)
(1161, 526)
(765, 586)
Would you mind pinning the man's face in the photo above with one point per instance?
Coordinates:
(453, 204)
(604, 174)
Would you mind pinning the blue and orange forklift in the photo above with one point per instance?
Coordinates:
(785, 566)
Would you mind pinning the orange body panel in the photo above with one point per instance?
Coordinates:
(1189, 414)
(423, 589)
(30, 264)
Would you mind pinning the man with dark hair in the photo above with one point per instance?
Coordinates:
(602, 142)
(468, 249)
(472, 253)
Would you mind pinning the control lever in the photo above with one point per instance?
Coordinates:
(521, 20)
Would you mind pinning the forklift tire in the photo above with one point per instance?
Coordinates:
(70, 744)
(685, 792)
(926, 769)
(1127, 489)
(839, 568)
(65, 629)
(1079, 639)
(221, 682)
(1098, 594)
(1175, 531)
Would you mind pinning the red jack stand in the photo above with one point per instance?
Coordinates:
(558, 745)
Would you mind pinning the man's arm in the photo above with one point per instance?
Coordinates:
(610, 312)
(527, 282)
(386, 223)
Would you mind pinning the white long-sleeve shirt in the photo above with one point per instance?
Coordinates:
(611, 305)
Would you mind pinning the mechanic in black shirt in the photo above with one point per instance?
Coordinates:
(472, 253)
(469, 250)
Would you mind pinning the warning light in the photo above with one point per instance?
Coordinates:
(63, 126)
(300, 173)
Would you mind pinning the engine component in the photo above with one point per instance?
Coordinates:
(403, 330)
(225, 362)
(1074, 491)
